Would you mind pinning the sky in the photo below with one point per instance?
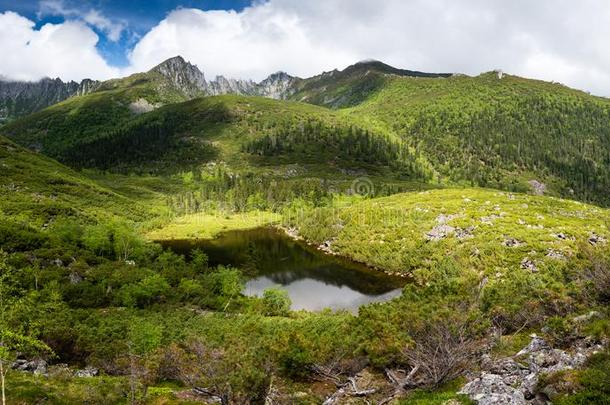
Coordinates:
(554, 40)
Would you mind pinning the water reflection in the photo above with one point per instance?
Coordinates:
(313, 280)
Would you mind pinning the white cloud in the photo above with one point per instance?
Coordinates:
(93, 17)
(546, 39)
(55, 50)
(250, 44)
(555, 40)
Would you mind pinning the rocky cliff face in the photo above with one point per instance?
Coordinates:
(21, 98)
(183, 75)
(279, 85)
(191, 81)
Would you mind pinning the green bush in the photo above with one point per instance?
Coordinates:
(276, 302)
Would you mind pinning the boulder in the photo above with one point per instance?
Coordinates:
(87, 372)
(440, 232)
(38, 367)
(490, 389)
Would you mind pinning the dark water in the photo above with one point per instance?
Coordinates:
(314, 280)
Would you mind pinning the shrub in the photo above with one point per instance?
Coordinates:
(276, 302)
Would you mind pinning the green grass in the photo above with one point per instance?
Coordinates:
(36, 189)
(390, 232)
(207, 226)
(442, 395)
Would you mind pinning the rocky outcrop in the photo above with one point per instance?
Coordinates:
(38, 367)
(191, 81)
(279, 85)
(22, 98)
(222, 85)
(87, 372)
(513, 380)
(183, 75)
(537, 187)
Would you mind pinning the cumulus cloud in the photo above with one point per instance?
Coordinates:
(93, 17)
(546, 39)
(553, 40)
(55, 50)
(249, 44)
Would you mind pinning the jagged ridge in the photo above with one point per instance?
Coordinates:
(22, 98)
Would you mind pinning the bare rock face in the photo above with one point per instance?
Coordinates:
(191, 81)
(141, 106)
(183, 75)
(38, 367)
(279, 86)
(222, 85)
(22, 98)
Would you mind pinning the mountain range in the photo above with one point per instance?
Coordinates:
(492, 130)
(21, 98)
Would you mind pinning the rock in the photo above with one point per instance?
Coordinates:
(326, 247)
(555, 254)
(489, 220)
(536, 344)
(490, 389)
(141, 106)
(21, 98)
(440, 232)
(75, 278)
(87, 372)
(464, 233)
(443, 219)
(58, 262)
(595, 239)
(587, 317)
(512, 242)
(38, 367)
(528, 264)
(528, 386)
(191, 81)
(507, 381)
(538, 188)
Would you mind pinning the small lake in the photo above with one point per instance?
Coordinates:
(314, 280)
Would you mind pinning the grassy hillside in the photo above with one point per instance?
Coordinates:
(500, 133)
(88, 117)
(494, 232)
(353, 85)
(245, 132)
(35, 189)
(480, 131)
(84, 288)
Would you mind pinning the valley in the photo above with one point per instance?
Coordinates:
(305, 240)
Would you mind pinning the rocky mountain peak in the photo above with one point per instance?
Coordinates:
(182, 74)
(278, 85)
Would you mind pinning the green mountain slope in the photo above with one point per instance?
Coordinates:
(246, 132)
(35, 190)
(351, 86)
(431, 128)
(501, 132)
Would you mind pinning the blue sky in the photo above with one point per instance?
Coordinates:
(138, 15)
